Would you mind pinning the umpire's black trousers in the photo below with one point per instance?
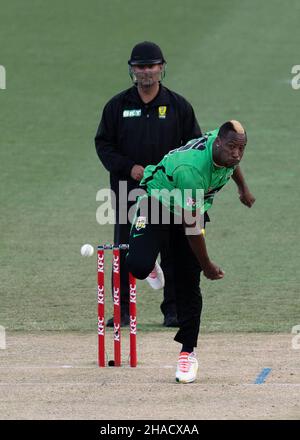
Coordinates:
(144, 245)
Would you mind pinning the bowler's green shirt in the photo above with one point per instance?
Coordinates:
(187, 176)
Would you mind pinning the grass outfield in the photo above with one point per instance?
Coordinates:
(63, 61)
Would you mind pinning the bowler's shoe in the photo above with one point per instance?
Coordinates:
(187, 367)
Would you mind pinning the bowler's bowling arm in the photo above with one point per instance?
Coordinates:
(196, 240)
(198, 246)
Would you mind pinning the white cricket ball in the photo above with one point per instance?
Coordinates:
(87, 250)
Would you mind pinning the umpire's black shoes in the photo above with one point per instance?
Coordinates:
(124, 321)
(171, 321)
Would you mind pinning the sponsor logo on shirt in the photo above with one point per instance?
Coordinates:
(190, 201)
(162, 111)
(132, 113)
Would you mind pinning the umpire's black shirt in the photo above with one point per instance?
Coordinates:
(134, 133)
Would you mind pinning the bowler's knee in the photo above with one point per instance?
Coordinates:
(139, 268)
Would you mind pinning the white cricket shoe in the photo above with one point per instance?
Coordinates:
(156, 278)
(187, 367)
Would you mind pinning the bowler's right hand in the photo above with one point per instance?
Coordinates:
(213, 272)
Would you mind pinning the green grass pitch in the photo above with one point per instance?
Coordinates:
(63, 61)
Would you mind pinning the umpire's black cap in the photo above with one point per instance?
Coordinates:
(146, 53)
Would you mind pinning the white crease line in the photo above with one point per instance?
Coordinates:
(57, 367)
(126, 366)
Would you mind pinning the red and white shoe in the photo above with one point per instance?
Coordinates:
(187, 367)
(156, 278)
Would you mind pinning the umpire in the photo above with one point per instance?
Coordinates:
(138, 127)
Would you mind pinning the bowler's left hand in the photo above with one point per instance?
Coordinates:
(246, 197)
